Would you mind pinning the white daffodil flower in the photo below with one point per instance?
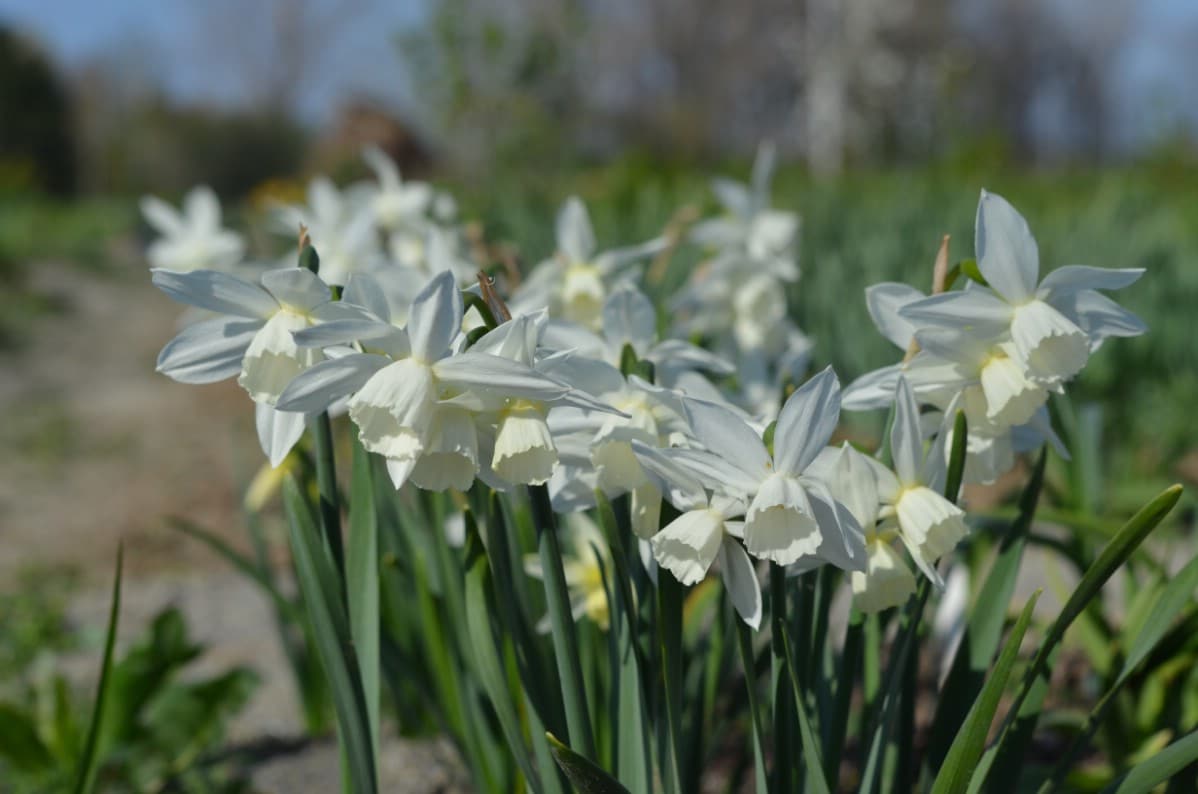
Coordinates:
(415, 396)
(522, 448)
(704, 534)
(396, 205)
(343, 234)
(573, 284)
(630, 319)
(929, 524)
(253, 339)
(884, 302)
(853, 477)
(752, 235)
(1052, 324)
(946, 383)
(886, 582)
(193, 239)
(790, 515)
(995, 390)
(599, 441)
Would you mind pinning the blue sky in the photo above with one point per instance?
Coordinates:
(1154, 85)
(159, 36)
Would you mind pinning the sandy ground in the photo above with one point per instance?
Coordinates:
(97, 450)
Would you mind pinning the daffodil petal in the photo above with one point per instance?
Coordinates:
(278, 431)
(740, 580)
(217, 292)
(297, 287)
(435, 318)
(208, 351)
(1006, 251)
(806, 423)
(320, 386)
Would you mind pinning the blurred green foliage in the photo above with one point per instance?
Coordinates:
(161, 730)
(161, 147)
(33, 621)
(36, 229)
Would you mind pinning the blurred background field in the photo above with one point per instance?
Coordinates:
(889, 118)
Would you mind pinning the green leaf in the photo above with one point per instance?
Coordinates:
(19, 742)
(848, 669)
(188, 718)
(966, 749)
(583, 774)
(89, 762)
(969, 267)
(321, 428)
(1156, 770)
(362, 584)
(561, 621)
(902, 653)
(1016, 732)
(630, 712)
(983, 630)
(744, 642)
(956, 458)
(812, 757)
(480, 605)
(1177, 595)
(669, 639)
(320, 584)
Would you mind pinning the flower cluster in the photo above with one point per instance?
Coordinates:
(583, 387)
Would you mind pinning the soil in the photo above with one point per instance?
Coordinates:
(100, 450)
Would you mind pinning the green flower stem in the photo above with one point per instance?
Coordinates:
(326, 482)
(669, 624)
(322, 439)
(782, 776)
(565, 635)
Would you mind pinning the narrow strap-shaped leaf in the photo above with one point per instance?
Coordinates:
(967, 748)
(552, 778)
(1016, 732)
(629, 710)
(1176, 596)
(983, 629)
(1148, 774)
(89, 762)
(326, 481)
(362, 585)
(847, 672)
(479, 606)
(582, 773)
(561, 620)
(744, 643)
(783, 775)
(669, 637)
(812, 757)
(900, 656)
(320, 585)
(535, 669)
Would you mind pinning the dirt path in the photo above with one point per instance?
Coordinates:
(98, 447)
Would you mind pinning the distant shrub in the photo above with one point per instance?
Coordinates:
(36, 145)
